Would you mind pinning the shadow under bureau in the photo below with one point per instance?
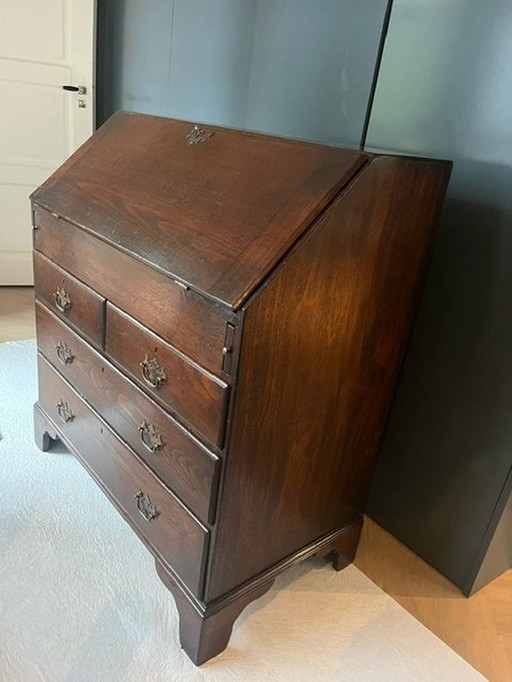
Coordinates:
(221, 316)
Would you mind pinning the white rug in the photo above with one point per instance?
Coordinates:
(80, 599)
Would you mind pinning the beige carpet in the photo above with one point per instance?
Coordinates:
(80, 600)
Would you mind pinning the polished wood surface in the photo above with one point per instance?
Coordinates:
(181, 462)
(193, 395)
(176, 207)
(205, 632)
(320, 352)
(302, 373)
(187, 321)
(478, 629)
(174, 535)
(86, 308)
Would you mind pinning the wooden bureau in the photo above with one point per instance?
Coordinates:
(221, 317)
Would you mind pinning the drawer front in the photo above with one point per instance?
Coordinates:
(158, 517)
(70, 299)
(196, 397)
(179, 460)
(187, 320)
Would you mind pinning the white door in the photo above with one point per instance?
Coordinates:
(44, 45)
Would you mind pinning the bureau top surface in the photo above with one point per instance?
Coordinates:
(216, 213)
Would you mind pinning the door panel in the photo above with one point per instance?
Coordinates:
(43, 46)
(33, 30)
(47, 124)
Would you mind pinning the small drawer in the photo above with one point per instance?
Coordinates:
(197, 397)
(186, 319)
(164, 524)
(181, 462)
(73, 301)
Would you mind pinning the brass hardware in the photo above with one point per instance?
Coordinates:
(64, 412)
(146, 506)
(150, 438)
(64, 353)
(197, 135)
(152, 373)
(227, 350)
(62, 300)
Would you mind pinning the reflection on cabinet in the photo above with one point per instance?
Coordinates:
(221, 318)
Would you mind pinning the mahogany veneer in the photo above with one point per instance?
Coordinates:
(248, 300)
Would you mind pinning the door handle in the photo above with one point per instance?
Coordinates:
(81, 89)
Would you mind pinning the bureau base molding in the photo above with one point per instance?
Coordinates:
(205, 632)
(205, 629)
(45, 432)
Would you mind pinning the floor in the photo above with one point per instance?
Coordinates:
(479, 628)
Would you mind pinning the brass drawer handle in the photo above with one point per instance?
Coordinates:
(64, 353)
(150, 438)
(146, 506)
(62, 300)
(64, 411)
(152, 373)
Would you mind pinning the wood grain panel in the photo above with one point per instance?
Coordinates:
(195, 396)
(173, 535)
(320, 352)
(182, 463)
(140, 185)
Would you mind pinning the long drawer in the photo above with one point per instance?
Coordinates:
(182, 463)
(196, 396)
(187, 320)
(164, 524)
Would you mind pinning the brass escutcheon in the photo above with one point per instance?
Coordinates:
(152, 373)
(64, 411)
(150, 438)
(62, 299)
(146, 506)
(197, 135)
(64, 353)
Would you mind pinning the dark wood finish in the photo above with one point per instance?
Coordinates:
(205, 632)
(86, 310)
(303, 264)
(197, 397)
(177, 209)
(344, 547)
(188, 321)
(182, 463)
(320, 353)
(175, 536)
(45, 434)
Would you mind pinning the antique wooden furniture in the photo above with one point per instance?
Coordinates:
(221, 317)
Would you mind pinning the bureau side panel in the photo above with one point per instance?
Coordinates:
(321, 348)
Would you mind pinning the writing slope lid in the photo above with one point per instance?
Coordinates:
(216, 215)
